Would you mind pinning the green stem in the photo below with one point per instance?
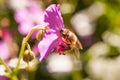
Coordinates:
(28, 47)
(12, 76)
(7, 68)
(20, 56)
(24, 43)
(33, 29)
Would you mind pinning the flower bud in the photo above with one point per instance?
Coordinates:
(28, 56)
(40, 35)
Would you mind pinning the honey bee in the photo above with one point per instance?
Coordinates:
(71, 41)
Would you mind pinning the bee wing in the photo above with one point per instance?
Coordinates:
(77, 52)
(79, 44)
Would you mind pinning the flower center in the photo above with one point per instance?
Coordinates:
(62, 47)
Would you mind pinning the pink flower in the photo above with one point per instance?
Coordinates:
(62, 47)
(6, 41)
(4, 50)
(28, 17)
(4, 47)
(51, 39)
(4, 78)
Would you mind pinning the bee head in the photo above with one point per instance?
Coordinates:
(64, 32)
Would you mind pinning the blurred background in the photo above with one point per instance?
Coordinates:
(95, 22)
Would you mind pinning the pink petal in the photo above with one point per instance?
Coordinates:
(47, 45)
(53, 17)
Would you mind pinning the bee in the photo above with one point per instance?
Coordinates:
(70, 42)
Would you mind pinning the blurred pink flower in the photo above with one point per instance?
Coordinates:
(3, 78)
(4, 48)
(51, 39)
(28, 17)
(6, 41)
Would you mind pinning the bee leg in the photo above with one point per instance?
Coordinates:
(60, 53)
(77, 53)
(64, 53)
(79, 44)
